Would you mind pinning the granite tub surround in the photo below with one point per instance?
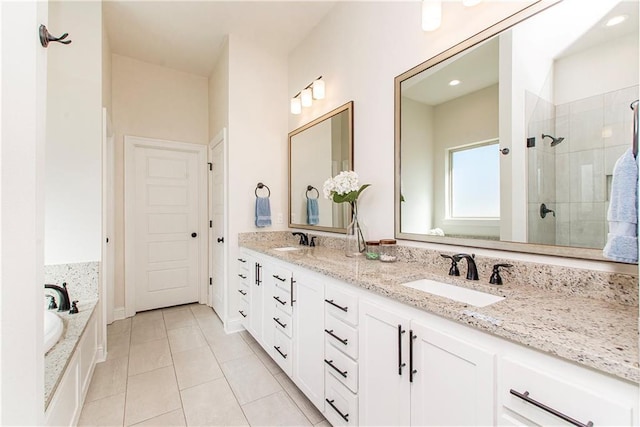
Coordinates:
(584, 316)
(82, 285)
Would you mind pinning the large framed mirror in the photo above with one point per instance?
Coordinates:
(317, 151)
(508, 140)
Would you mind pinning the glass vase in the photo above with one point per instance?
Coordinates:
(355, 243)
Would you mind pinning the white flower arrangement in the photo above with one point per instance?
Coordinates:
(343, 188)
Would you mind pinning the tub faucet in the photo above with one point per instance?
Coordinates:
(472, 270)
(63, 296)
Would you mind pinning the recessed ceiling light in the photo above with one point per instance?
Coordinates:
(454, 82)
(616, 20)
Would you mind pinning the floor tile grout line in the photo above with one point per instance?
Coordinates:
(175, 374)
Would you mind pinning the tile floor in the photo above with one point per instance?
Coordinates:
(177, 367)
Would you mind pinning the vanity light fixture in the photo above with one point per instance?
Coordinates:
(454, 82)
(304, 98)
(616, 20)
(470, 3)
(431, 14)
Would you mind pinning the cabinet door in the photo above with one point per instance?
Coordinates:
(454, 381)
(256, 299)
(384, 374)
(308, 331)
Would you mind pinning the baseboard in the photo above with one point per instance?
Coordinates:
(119, 313)
(233, 325)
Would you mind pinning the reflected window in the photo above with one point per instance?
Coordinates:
(474, 181)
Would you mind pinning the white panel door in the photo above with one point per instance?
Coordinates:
(166, 228)
(217, 230)
(454, 381)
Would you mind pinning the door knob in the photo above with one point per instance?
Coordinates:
(194, 235)
(220, 239)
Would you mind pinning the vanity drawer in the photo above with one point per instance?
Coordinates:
(341, 304)
(281, 352)
(243, 290)
(341, 367)
(243, 310)
(557, 393)
(283, 322)
(341, 336)
(282, 300)
(340, 405)
(281, 277)
(243, 264)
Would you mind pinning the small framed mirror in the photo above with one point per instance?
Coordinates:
(317, 151)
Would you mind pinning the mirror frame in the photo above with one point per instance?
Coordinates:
(348, 107)
(505, 24)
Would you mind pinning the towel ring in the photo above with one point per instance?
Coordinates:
(310, 188)
(261, 185)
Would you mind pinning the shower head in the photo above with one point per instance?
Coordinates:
(554, 141)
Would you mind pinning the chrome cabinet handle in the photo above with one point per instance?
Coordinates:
(525, 396)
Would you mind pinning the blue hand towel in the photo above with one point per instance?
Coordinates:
(622, 240)
(263, 212)
(313, 213)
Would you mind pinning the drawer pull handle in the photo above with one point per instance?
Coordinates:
(344, 416)
(279, 278)
(242, 292)
(279, 300)
(330, 363)
(277, 319)
(343, 341)
(242, 312)
(281, 353)
(525, 396)
(242, 276)
(242, 260)
(330, 301)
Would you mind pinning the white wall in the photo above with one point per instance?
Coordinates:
(417, 167)
(73, 209)
(106, 70)
(358, 48)
(258, 106)
(154, 102)
(219, 93)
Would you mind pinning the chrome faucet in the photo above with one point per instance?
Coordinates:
(472, 270)
(63, 296)
(304, 238)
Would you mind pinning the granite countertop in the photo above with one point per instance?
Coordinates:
(57, 359)
(593, 332)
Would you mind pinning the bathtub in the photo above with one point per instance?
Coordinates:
(53, 328)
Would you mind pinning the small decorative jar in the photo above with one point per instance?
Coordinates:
(388, 250)
(373, 250)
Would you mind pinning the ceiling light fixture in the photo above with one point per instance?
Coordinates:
(616, 20)
(454, 82)
(304, 98)
(470, 3)
(431, 14)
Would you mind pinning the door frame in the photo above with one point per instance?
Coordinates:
(220, 138)
(130, 145)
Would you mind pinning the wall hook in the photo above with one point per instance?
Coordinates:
(46, 37)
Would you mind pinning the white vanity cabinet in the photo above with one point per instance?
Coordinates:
(414, 374)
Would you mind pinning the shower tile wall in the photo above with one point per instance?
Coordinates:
(541, 170)
(597, 131)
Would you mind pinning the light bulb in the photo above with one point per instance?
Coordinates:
(318, 89)
(306, 98)
(296, 106)
(431, 14)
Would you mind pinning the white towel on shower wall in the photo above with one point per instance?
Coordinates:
(622, 240)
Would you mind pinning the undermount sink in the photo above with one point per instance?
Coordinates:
(53, 328)
(286, 248)
(453, 292)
